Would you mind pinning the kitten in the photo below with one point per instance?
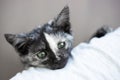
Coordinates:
(48, 46)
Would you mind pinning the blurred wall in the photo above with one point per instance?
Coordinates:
(23, 15)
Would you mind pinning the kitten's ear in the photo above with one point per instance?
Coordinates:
(62, 20)
(10, 38)
(20, 42)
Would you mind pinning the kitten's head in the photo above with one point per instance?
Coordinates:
(47, 46)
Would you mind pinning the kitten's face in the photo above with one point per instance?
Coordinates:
(48, 46)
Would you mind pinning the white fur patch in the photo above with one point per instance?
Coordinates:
(53, 40)
(52, 43)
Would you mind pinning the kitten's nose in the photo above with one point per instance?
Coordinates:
(57, 60)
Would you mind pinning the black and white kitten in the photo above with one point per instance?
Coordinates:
(48, 46)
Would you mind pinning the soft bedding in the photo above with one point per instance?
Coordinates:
(97, 60)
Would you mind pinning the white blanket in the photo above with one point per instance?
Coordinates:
(97, 60)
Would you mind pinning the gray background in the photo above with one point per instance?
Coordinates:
(23, 15)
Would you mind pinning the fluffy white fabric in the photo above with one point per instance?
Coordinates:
(97, 60)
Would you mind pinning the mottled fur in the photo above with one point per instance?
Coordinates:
(45, 38)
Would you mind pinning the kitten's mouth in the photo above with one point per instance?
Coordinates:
(59, 65)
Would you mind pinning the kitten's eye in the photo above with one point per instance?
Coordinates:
(41, 55)
(61, 45)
